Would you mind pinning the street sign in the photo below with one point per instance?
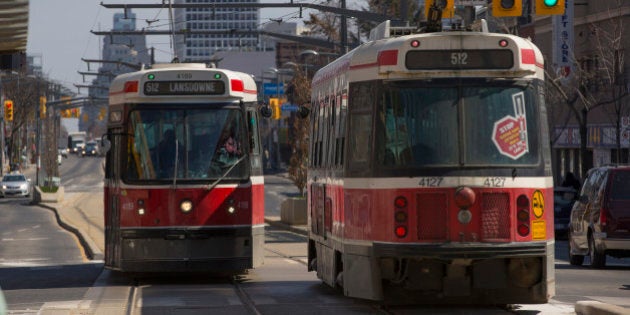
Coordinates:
(471, 2)
(507, 137)
(273, 89)
(288, 107)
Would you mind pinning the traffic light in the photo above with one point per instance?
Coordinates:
(8, 110)
(101, 113)
(447, 6)
(274, 103)
(42, 107)
(550, 7)
(507, 7)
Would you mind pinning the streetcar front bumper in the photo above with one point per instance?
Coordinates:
(214, 250)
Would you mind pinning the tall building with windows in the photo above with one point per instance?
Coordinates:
(200, 47)
(128, 49)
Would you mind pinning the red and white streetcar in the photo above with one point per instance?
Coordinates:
(430, 170)
(184, 185)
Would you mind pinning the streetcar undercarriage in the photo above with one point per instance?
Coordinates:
(404, 274)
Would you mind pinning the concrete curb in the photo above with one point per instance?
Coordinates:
(599, 308)
(89, 246)
(284, 226)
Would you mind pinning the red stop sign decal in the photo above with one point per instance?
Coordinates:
(510, 137)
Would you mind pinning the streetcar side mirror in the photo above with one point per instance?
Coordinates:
(266, 111)
(105, 144)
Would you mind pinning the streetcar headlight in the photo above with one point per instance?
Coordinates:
(141, 210)
(186, 206)
(231, 209)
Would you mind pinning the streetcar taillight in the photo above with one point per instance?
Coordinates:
(237, 85)
(522, 202)
(522, 214)
(131, 87)
(503, 43)
(415, 43)
(523, 229)
(401, 231)
(400, 216)
(400, 202)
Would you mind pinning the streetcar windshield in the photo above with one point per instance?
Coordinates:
(191, 144)
(453, 125)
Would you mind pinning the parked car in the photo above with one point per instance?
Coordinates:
(563, 200)
(15, 184)
(63, 152)
(600, 219)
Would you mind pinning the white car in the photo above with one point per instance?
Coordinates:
(15, 184)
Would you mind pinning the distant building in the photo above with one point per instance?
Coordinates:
(130, 49)
(195, 47)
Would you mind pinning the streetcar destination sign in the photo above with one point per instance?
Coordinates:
(459, 59)
(184, 87)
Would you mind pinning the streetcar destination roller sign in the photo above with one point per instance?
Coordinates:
(184, 88)
(459, 59)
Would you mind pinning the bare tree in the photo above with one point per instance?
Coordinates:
(597, 81)
(24, 92)
(300, 93)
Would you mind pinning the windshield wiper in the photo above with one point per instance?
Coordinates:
(176, 162)
(216, 182)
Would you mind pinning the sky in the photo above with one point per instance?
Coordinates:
(59, 33)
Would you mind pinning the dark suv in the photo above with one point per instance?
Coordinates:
(600, 219)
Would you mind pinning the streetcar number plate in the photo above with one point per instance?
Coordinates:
(430, 181)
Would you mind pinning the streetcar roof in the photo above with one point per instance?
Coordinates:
(387, 58)
(184, 82)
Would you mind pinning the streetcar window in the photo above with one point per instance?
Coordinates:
(437, 124)
(188, 144)
(418, 124)
(500, 125)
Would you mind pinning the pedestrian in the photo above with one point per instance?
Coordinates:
(571, 181)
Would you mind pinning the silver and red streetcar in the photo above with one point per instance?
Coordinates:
(430, 171)
(184, 186)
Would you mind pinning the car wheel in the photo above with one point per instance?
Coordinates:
(575, 260)
(598, 260)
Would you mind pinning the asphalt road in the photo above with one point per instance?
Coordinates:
(42, 270)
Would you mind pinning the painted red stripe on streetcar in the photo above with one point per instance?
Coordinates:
(385, 58)
(528, 57)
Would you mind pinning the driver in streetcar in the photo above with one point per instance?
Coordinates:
(229, 152)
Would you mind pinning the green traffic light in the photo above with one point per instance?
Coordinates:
(550, 3)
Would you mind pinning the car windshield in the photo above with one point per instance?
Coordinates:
(14, 178)
(185, 142)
